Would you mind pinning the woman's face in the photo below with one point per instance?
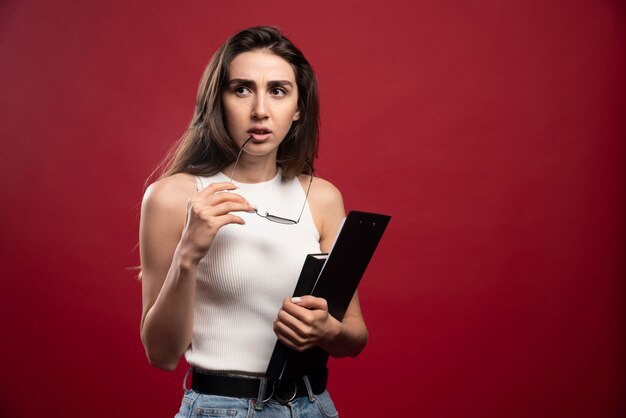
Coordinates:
(260, 101)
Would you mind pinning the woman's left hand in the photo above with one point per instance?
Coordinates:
(304, 322)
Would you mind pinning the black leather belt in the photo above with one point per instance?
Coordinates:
(237, 386)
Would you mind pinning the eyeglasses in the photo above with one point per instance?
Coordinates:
(268, 216)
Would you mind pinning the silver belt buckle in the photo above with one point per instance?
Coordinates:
(281, 395)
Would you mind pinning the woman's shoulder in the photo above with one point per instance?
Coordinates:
(327, 192)
(170, 193)
(327, 209)
(323, 193)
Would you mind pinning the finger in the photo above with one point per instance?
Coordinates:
(288, 337)
(220, 221)
(296, 347)
(202, 202)
(287, 342)
(197, 206)
(299, 312)
(224, 208)
(301, 328)
(208, 216)
(310, 302)
(217, 187)
(217, 198)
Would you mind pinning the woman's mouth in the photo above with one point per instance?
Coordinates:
(259, 134)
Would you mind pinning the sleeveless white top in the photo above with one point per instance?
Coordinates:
(248, 271)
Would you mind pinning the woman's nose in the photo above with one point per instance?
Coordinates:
(259, 110)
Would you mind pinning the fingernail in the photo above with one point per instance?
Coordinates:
(296, 300)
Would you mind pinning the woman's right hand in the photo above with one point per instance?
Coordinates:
(208, 211)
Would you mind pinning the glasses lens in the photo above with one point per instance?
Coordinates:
(280, 220)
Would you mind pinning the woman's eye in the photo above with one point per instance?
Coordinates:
(242, 91)
(278, 92)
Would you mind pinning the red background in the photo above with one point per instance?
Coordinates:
(492, 131)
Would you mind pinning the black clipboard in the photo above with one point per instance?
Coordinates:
(334, 277)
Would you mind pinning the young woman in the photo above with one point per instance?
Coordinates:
(226, 229)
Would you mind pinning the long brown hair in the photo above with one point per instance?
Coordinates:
(206, 148)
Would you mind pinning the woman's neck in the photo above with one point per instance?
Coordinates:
(251, 169)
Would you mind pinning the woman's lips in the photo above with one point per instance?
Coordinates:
(260, 134)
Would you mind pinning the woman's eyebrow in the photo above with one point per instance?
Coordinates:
(241, 81)
(248, 82)
(280, 83)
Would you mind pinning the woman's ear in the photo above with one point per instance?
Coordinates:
(296, 116)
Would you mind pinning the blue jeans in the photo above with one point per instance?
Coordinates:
(195, 404)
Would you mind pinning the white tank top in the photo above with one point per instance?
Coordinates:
(248, 271)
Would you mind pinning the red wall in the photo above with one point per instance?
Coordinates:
(492, 131)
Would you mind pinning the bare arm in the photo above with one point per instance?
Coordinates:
(305, 322)
(177, 228)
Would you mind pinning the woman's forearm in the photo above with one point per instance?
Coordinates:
(167, 327)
